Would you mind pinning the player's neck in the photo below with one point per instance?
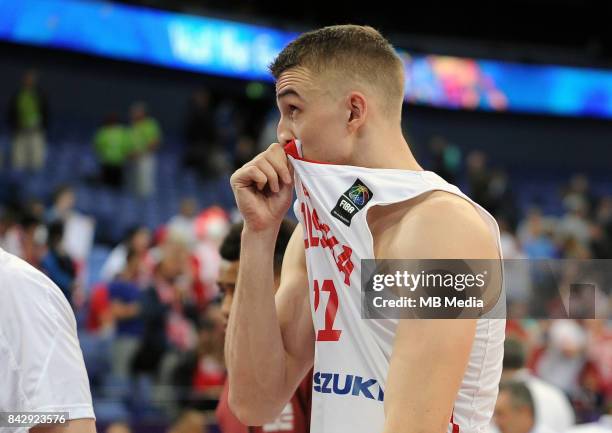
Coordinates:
(384, 151)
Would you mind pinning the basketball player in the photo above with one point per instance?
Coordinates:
(360, 194)
(295, 417)
(41, 363)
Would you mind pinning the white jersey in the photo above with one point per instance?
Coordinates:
(41, 363)
(352, 355)
(604, 425)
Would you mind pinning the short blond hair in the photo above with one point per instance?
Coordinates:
(354, 52)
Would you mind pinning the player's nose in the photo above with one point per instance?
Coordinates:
(284, 133)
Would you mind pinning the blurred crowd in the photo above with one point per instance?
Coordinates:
(582, 231)
(152, 327)
(219, 132)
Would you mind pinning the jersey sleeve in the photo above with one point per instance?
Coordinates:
(63, 385)
(38, 338)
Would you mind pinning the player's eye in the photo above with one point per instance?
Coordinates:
(292, 110)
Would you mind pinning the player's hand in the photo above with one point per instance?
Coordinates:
(263, 189)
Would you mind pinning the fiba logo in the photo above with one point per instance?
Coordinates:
(359, 194)
(352, 201)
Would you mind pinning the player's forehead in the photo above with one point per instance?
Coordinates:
(297, 81)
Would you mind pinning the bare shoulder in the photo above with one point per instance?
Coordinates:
(437, 224)
(442, 208)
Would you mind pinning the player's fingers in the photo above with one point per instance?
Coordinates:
(276, 156)
(247, 176)
(267, 168)
(259, 177)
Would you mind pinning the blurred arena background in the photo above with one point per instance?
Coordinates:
(125, 119)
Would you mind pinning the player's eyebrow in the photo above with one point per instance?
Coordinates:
(288, 92)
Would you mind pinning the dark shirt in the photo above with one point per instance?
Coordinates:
(127, 292)
(61, 270)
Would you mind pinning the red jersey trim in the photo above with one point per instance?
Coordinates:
(291, 149)
(452, 421)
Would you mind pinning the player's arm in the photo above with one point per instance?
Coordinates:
(50, 354)
(270, 344)
(429, 357)
(124, 310)
(270, 341)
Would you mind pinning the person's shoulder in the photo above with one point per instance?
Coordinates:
(114, 287)
(443, 206)
(16, 272)
(119, 287)
(441, 224)
(551, 393)
(25, 288)
(152, 122)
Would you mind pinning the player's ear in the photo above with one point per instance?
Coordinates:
(357, 108)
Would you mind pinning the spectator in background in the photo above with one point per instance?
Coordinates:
(599, 333)
(573, 229)
(144, 141)
(124, 296)
(7, 231)
(100, 319)
(201, 135)
(602, 425)
(78, 228)
(561, 362)
(515, 411)
(200, 373)
(63, 204)
(500, 198)
(58, 265)
(600, 243)
(578, 194)
(166, 304)
(603, 215)
(184, 222)
(23, 235)
(212, 224)
(32, 239)
(601, 230)
(519, 287)
(28, 121)
(111, 146)
(511, 248)
(478, 176)
(138, 239)
(552, 407)
(446, 158)
(535, 236)
(564, 363)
